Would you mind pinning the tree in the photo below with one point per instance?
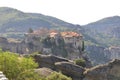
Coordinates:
(9, 64)
(57, 76)
(80, 62)
(29, 75)
(83, 46)
(30, 30)
(12, 65)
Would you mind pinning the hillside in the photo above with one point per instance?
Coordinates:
(102, 39)
(105, 31)
(12, 20)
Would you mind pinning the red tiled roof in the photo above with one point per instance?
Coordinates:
(52, 34)
(70, 34)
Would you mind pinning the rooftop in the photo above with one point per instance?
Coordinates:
(53, 33)
(70, 34)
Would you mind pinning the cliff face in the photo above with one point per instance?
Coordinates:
(67, 44)
(22, 47)
(97, 54)
(110, 71)
(113, 52)
(102, 55)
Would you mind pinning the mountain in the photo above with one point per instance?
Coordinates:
(98, 36)
(102, 39)
(13, 20)
(105, 31)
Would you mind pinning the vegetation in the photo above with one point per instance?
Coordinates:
(22, 68)
(30, 30)
(83, 46)
(80, 62)
(28, 75)
(13, 20)
(57, 76)
(13, 65)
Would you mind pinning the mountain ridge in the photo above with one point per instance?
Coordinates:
(12, 18)
(105, 30)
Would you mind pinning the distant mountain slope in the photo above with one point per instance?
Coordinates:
(105, 31)
(101, 36)
(12, 20)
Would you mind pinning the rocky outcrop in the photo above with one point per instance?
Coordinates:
(44, 71)
(110, 71)
(63, 65)
(22, 47)
(113, 52)
(48, 60)
(69, 45)
(69, 69)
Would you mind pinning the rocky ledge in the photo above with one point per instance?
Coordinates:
(109, 71)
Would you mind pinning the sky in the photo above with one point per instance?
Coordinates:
(74, 11)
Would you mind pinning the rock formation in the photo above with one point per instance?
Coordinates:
(113, 52)
(48, 60)
(67, 67)
(70, 69)
(44, 71)
(110, 71)
(65, 44)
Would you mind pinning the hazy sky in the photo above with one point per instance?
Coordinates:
(73, 11)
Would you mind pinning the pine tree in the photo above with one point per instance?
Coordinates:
(30, 30)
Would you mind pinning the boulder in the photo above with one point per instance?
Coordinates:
(44, 71)
(70, 69)
(110, 71)
(48, 61)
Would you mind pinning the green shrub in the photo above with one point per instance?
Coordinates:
(12, 65)
(57, 76)
(29, 75)
(22, 68)
(80, 62)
